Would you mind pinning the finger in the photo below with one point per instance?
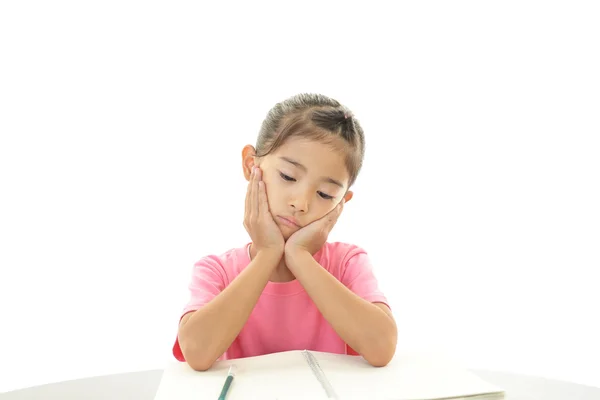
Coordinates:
(335, 213)
(255, 201)
(248, 192)
(263, 207)
(341, 206)
(337, 210)
(252, 195)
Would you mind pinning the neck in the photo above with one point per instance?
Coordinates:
(281, 273)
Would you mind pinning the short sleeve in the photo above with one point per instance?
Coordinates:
(358, 276)
(207, 281)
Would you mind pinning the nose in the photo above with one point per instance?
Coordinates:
(300, 202)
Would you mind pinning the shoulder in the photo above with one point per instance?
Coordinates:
(341, 250)
(353, 268)
(337, 257)
(226, 264)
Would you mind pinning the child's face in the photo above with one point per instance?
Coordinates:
(304, 181)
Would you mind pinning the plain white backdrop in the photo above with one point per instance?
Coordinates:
(122, 125)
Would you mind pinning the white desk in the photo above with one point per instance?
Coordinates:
(143, 385)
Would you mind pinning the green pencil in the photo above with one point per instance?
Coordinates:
(230, 376)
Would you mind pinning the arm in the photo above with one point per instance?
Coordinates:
(205, 334)
(368, 328)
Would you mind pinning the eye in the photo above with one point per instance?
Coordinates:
(325, 196)
(286, 178)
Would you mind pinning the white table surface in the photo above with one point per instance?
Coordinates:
(143, 385)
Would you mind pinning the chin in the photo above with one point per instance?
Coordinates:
(286, 231)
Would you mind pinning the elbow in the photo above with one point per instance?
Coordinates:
(383, 349)
(197, 357)
(198, 362)
(199, 365)
(380, 357)
(379, 360)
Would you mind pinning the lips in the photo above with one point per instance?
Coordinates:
(290, 221)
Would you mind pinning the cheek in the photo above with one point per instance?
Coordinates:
(271, 185)
(325, 206)
(320, 210)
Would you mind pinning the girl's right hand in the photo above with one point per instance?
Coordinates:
(258, 221)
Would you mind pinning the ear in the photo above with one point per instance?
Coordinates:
(348, 196)
(248, 160)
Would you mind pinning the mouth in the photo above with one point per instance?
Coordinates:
(288, 222)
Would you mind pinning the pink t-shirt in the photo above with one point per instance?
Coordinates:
(285, 317)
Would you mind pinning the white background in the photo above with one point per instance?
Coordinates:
(122, 126)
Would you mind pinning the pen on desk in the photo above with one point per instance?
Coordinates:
(230, 376)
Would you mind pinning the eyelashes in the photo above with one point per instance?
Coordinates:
(288, 178)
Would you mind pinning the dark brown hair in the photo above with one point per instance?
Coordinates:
(315, 117)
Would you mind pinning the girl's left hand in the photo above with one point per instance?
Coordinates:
(313, 236)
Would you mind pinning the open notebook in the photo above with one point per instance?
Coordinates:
(315, 375)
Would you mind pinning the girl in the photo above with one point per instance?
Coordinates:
(290, 289)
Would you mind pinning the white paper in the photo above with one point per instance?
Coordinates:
(287, 376)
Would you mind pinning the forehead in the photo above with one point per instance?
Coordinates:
(317, 157)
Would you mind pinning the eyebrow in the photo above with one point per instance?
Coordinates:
(302, 167)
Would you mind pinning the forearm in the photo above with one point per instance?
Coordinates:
(209, 331)
(362, 325)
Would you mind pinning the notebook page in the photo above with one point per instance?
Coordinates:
(416, 375)
(281, 376)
